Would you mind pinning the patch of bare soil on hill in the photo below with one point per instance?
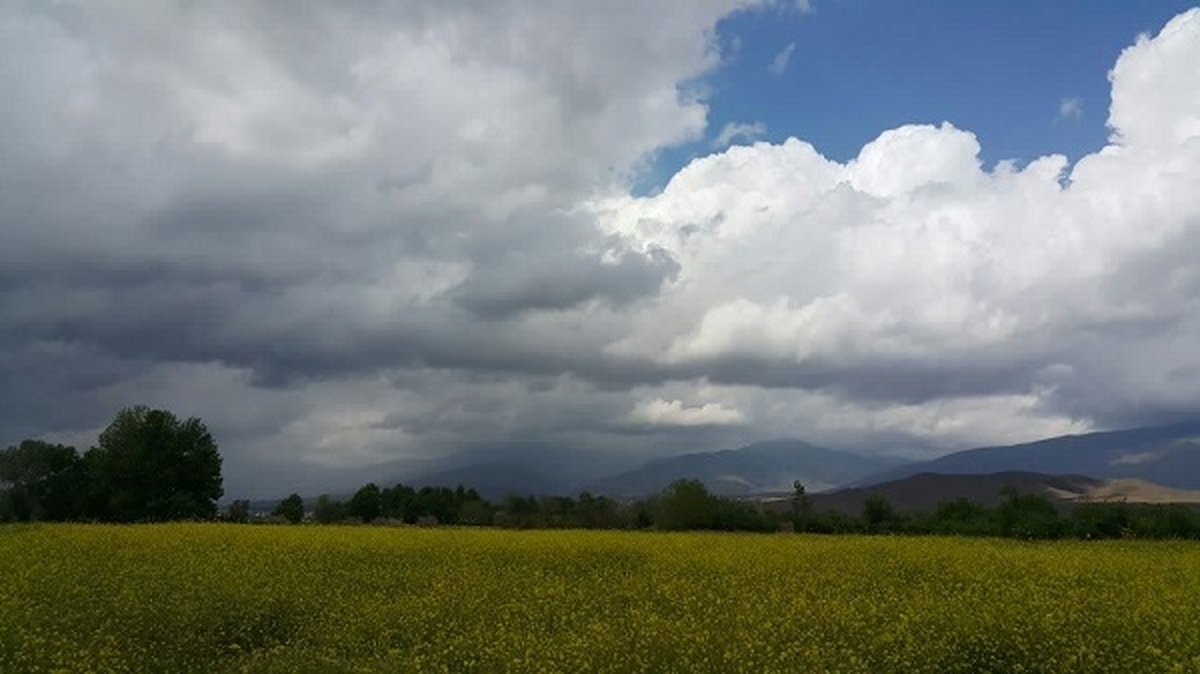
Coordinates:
(1132, 491)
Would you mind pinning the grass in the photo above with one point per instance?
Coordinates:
(213, 598)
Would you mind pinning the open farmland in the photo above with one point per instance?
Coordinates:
(205, 598)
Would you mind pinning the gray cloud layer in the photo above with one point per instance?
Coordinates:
(350, 235)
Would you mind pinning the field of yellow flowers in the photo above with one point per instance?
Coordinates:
(212, 598)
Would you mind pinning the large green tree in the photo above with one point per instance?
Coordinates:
(150, 466)
(40, 481)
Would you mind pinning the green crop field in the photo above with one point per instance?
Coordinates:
(211, 598)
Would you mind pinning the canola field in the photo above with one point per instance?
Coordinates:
(230, 598)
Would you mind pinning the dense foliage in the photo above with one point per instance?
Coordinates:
(224, 598)
(147, 466)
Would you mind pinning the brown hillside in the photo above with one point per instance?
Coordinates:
(923, 492)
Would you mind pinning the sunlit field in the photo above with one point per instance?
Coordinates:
(206, 598)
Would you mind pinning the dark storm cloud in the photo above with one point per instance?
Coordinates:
(536, 282)
(51, 385)
(872, 380)
(254, 215)
(344, 235)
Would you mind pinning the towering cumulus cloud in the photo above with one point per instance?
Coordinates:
(912, 278)
(344, 235)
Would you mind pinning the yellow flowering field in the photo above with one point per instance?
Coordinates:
(230, 598)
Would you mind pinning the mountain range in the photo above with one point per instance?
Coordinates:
(757, 468)
(1168, 455)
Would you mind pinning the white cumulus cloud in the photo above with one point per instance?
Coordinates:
(914, 273)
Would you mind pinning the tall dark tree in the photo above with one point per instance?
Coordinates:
(291, 508)
(801, 505)
(396, 503)
(366, 503)
(40, 481)
(439, 503)
(150, 466)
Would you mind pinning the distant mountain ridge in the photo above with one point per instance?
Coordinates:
(756, 468)
(1169, 456)
(523, 469)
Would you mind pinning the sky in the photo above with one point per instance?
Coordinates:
(347, 235)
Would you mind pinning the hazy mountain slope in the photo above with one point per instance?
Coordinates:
(498, 480)
(497, 470)
(756, 468)
(1168, 456)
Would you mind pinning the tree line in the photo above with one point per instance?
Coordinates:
(148, 466)
(1019, 514)
(687, 505)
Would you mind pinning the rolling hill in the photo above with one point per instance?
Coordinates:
(924, 491)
